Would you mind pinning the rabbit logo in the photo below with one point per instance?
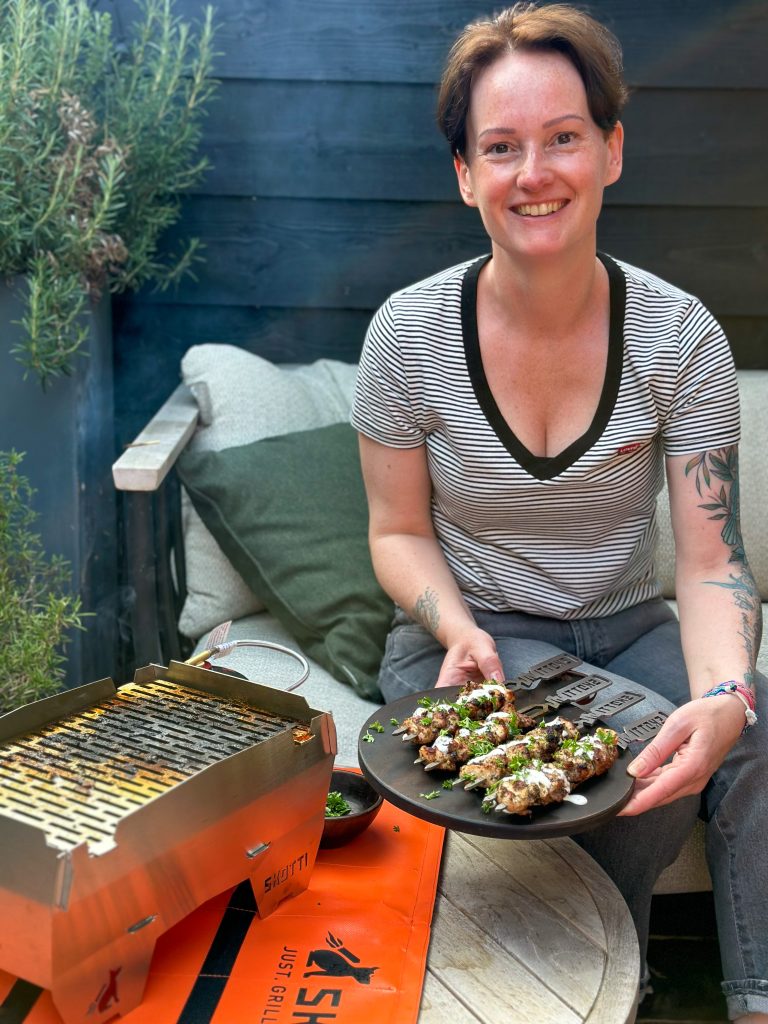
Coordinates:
(337, 962)
(107, 994)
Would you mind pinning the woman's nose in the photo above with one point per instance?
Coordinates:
(534, 170)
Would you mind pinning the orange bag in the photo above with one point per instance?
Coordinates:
(352, 947)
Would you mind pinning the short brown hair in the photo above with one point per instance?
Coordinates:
(592, 49)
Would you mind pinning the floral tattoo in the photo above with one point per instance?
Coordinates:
(425, 610)
(711, 468)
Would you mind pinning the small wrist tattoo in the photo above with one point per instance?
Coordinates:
(425, 610)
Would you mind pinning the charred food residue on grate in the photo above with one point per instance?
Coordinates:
(77, 777)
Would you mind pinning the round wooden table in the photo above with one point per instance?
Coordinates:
(528, 932)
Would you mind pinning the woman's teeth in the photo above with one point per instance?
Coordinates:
(538, 209)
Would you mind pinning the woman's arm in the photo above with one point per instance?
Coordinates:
(410, 565)
(719, 606)
(720, 625)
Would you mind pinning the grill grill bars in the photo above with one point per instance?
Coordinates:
(79, 776)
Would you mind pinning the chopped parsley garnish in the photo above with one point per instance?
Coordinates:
(478, 747)
(448, 784)
(574, 746)
(431, 796)
(376, 726)
(367, 738)
(518, 763)
(606, 736)
(394, 721)
(335, 805)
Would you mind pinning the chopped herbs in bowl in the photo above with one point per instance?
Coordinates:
(335, 805)
(350, 807)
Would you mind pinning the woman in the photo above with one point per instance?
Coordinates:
(516, 414)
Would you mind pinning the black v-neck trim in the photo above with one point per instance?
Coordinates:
(545, 467)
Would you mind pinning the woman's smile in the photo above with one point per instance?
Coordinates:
(539, 209)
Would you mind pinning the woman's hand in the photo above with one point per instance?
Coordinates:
(472, 656)
(698, 735)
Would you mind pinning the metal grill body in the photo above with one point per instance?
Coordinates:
(122, 809)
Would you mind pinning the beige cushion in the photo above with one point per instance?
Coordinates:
(244, 398)
(753, 488)
(321, 691)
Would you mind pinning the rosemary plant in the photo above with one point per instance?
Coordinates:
(36, 609)
(98, 140)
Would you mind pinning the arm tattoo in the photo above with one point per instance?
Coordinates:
(425, 610)
(722, 504)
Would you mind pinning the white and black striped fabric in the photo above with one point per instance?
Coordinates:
(571, 536)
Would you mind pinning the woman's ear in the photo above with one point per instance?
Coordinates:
(615, 143)
(464, 179)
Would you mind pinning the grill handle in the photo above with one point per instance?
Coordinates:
(221, 650)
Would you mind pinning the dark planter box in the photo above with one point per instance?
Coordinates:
(67, 433)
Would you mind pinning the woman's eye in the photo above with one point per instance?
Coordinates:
(499, 149)
(563, 138)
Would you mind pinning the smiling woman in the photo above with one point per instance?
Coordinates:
(516, 416)
(535, 163)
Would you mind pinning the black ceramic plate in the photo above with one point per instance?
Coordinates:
(387, 763)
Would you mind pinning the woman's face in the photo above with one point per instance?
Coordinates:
(536, 163)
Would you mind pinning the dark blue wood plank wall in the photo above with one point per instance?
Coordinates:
(331, 185)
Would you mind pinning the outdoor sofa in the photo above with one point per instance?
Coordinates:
(271, 462)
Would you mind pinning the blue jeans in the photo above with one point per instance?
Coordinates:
(642, 646)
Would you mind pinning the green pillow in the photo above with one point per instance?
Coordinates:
(291, 515)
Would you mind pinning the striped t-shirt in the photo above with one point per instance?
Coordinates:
(570, 536)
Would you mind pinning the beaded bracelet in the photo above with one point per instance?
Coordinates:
(744, 694)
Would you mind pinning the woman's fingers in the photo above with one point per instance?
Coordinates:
(697, 736)
(663, 787)
(472, 657)
(675, 731)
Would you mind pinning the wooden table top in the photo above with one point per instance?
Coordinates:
(528, 932)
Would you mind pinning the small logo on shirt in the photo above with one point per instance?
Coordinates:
(627, 448)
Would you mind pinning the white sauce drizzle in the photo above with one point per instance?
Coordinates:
(575, 798)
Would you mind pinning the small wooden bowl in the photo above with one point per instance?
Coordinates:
(364, 801)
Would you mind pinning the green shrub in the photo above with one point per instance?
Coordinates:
(98, 139)
(36, 609)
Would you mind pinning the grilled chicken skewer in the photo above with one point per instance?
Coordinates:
(539, 783)
(590, 756)
(531, 785)
(448, 752)
(474, 701)
(540, 743)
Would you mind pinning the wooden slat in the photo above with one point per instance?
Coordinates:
(146, 462)
(329, 140)
(439, 1005)
(495, 894)
(616, 996)
(473, 968)
(710, 43)
(352, 255)
(286, 335)
(548, 879)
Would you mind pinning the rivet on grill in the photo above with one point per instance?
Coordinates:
(250, 854)
(141, 924)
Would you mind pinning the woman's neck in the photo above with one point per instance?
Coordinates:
(546, 297)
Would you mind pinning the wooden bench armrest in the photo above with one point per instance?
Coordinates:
(146, 461)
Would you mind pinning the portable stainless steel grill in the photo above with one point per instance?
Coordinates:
(124, 808)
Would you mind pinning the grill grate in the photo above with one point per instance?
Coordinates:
(76, 778)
